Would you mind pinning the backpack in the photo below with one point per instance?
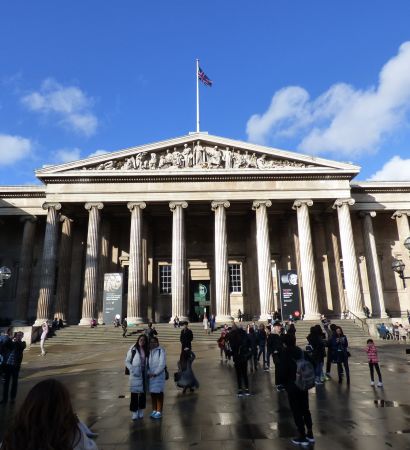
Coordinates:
(305, 374)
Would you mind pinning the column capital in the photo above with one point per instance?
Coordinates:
(173, 205)
(31, 219)
(63, 218)
(90, 205)
(258, 203)
(300, 202)
(400, 213)
(48, 205)
(217, 203)
(343, 201)
(367, 213)
(132, 205)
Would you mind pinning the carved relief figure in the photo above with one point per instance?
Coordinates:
(168, 158)
(227, 157)
(153, 161)
(198, 154)
(188, 157)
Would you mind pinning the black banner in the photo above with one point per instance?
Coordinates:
(112, 296)
(289, 294)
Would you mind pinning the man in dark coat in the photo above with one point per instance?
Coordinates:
(298, 399)
(241, 352)
(186, 337)
(13, 358)
(275, 347)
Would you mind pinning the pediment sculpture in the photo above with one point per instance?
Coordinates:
(196, 156)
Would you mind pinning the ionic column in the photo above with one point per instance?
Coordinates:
(48, 265)
(179, 300)
(402, 221)
(372, 262)
(311, 310)
(264, 258)
(351, 272)
(64, 267)
(223, 307)
(103, 263)
(134, 306)
(26, 257)
(91, 263)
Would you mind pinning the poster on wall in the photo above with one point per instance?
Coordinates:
(289, 294)
(112, 300)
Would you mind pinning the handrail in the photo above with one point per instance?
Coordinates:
(363, 324)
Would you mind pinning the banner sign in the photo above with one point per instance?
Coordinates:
(289, 294)
(201, 297)
(112, 296)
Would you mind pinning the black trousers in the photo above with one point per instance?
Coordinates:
(10, 373)
(241, 368)
(299, 405)
(344, 363)
(373, 366)
(138, 401)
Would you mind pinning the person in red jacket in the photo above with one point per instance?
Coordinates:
(373, 359)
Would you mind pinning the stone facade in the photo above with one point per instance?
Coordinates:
(201, 215)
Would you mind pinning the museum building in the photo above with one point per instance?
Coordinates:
(197, 223)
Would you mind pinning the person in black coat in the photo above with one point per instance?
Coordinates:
(318, 351)
(275, 347)
(241, 352)
(14, 349)
(186, 337)
(339, 353)
(298, 399)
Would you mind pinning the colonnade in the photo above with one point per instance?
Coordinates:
(180, 305)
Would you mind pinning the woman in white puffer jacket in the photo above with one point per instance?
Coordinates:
(156, 375)
(137, 364)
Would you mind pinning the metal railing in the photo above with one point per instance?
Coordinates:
(362, 323)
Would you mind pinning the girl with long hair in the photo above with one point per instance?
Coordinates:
(46, 420)
(136, 362)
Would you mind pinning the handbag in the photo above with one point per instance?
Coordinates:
(133, 351)
(166, 373)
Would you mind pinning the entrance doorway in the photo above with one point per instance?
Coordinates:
(200, 299)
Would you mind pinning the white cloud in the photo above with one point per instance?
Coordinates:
(397, 169)
(65, 155)
(13, 149)
(98, 153)
(69, 103)
(342, 120)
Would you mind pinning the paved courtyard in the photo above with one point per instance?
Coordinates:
(361, 417)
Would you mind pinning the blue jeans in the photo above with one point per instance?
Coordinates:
(318, 370)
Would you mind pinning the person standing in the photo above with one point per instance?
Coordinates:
(157, 361)
(252, 336)
(12, 363)
(261, 338)
(43, 338)
(275, 346)
(221, 341)
(241, 352)
(186, 337)
(136, 363)
(298, 399)
(150, 332)
(186, 377)
(212, 323)
(373, 360)
(124, 326)
(318, 351)
(206, 324)
(240, 315)
(340, 354)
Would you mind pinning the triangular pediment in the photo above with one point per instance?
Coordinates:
(197, 153)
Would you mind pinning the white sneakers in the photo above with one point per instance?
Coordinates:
(379, 384)
(134, 415)
(372, 383)
(140, 414)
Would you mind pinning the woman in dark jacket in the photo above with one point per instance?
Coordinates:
(338, 347)
(186, 377)
(317, 351)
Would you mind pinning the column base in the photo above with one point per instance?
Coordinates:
(359, 314)
(135, 321)
(263, 318)
(85, 322)
(221, 318)
(383, 316)
(39, 322)
(181, 319)
(311, 316)
(100, 322)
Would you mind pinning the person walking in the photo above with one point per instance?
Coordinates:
(43, 338)
(330, 332)
(150, 332)
(157, 362)
(186, 337)
(261, 338)
(136, 362)
(212, 323)
(241, 352)
(318, 351)
(340, 354)
(124, 326)
(373, 361)
(13, 358)
(298, 399)
(46, 419)
(186, 378)
(275, 346)
(206, 324)
(254, 349)
(221, 342)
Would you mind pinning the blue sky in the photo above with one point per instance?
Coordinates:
(325, 78)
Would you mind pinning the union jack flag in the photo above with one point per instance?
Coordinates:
(202, 77)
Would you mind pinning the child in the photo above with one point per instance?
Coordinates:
(371, 351)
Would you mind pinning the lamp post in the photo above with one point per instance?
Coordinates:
(5, 274)
(398, 266)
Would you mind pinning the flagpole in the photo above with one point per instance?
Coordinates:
(197, 95)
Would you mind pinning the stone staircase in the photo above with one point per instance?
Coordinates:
(102, 334)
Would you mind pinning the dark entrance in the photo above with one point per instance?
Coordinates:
(200, 298)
